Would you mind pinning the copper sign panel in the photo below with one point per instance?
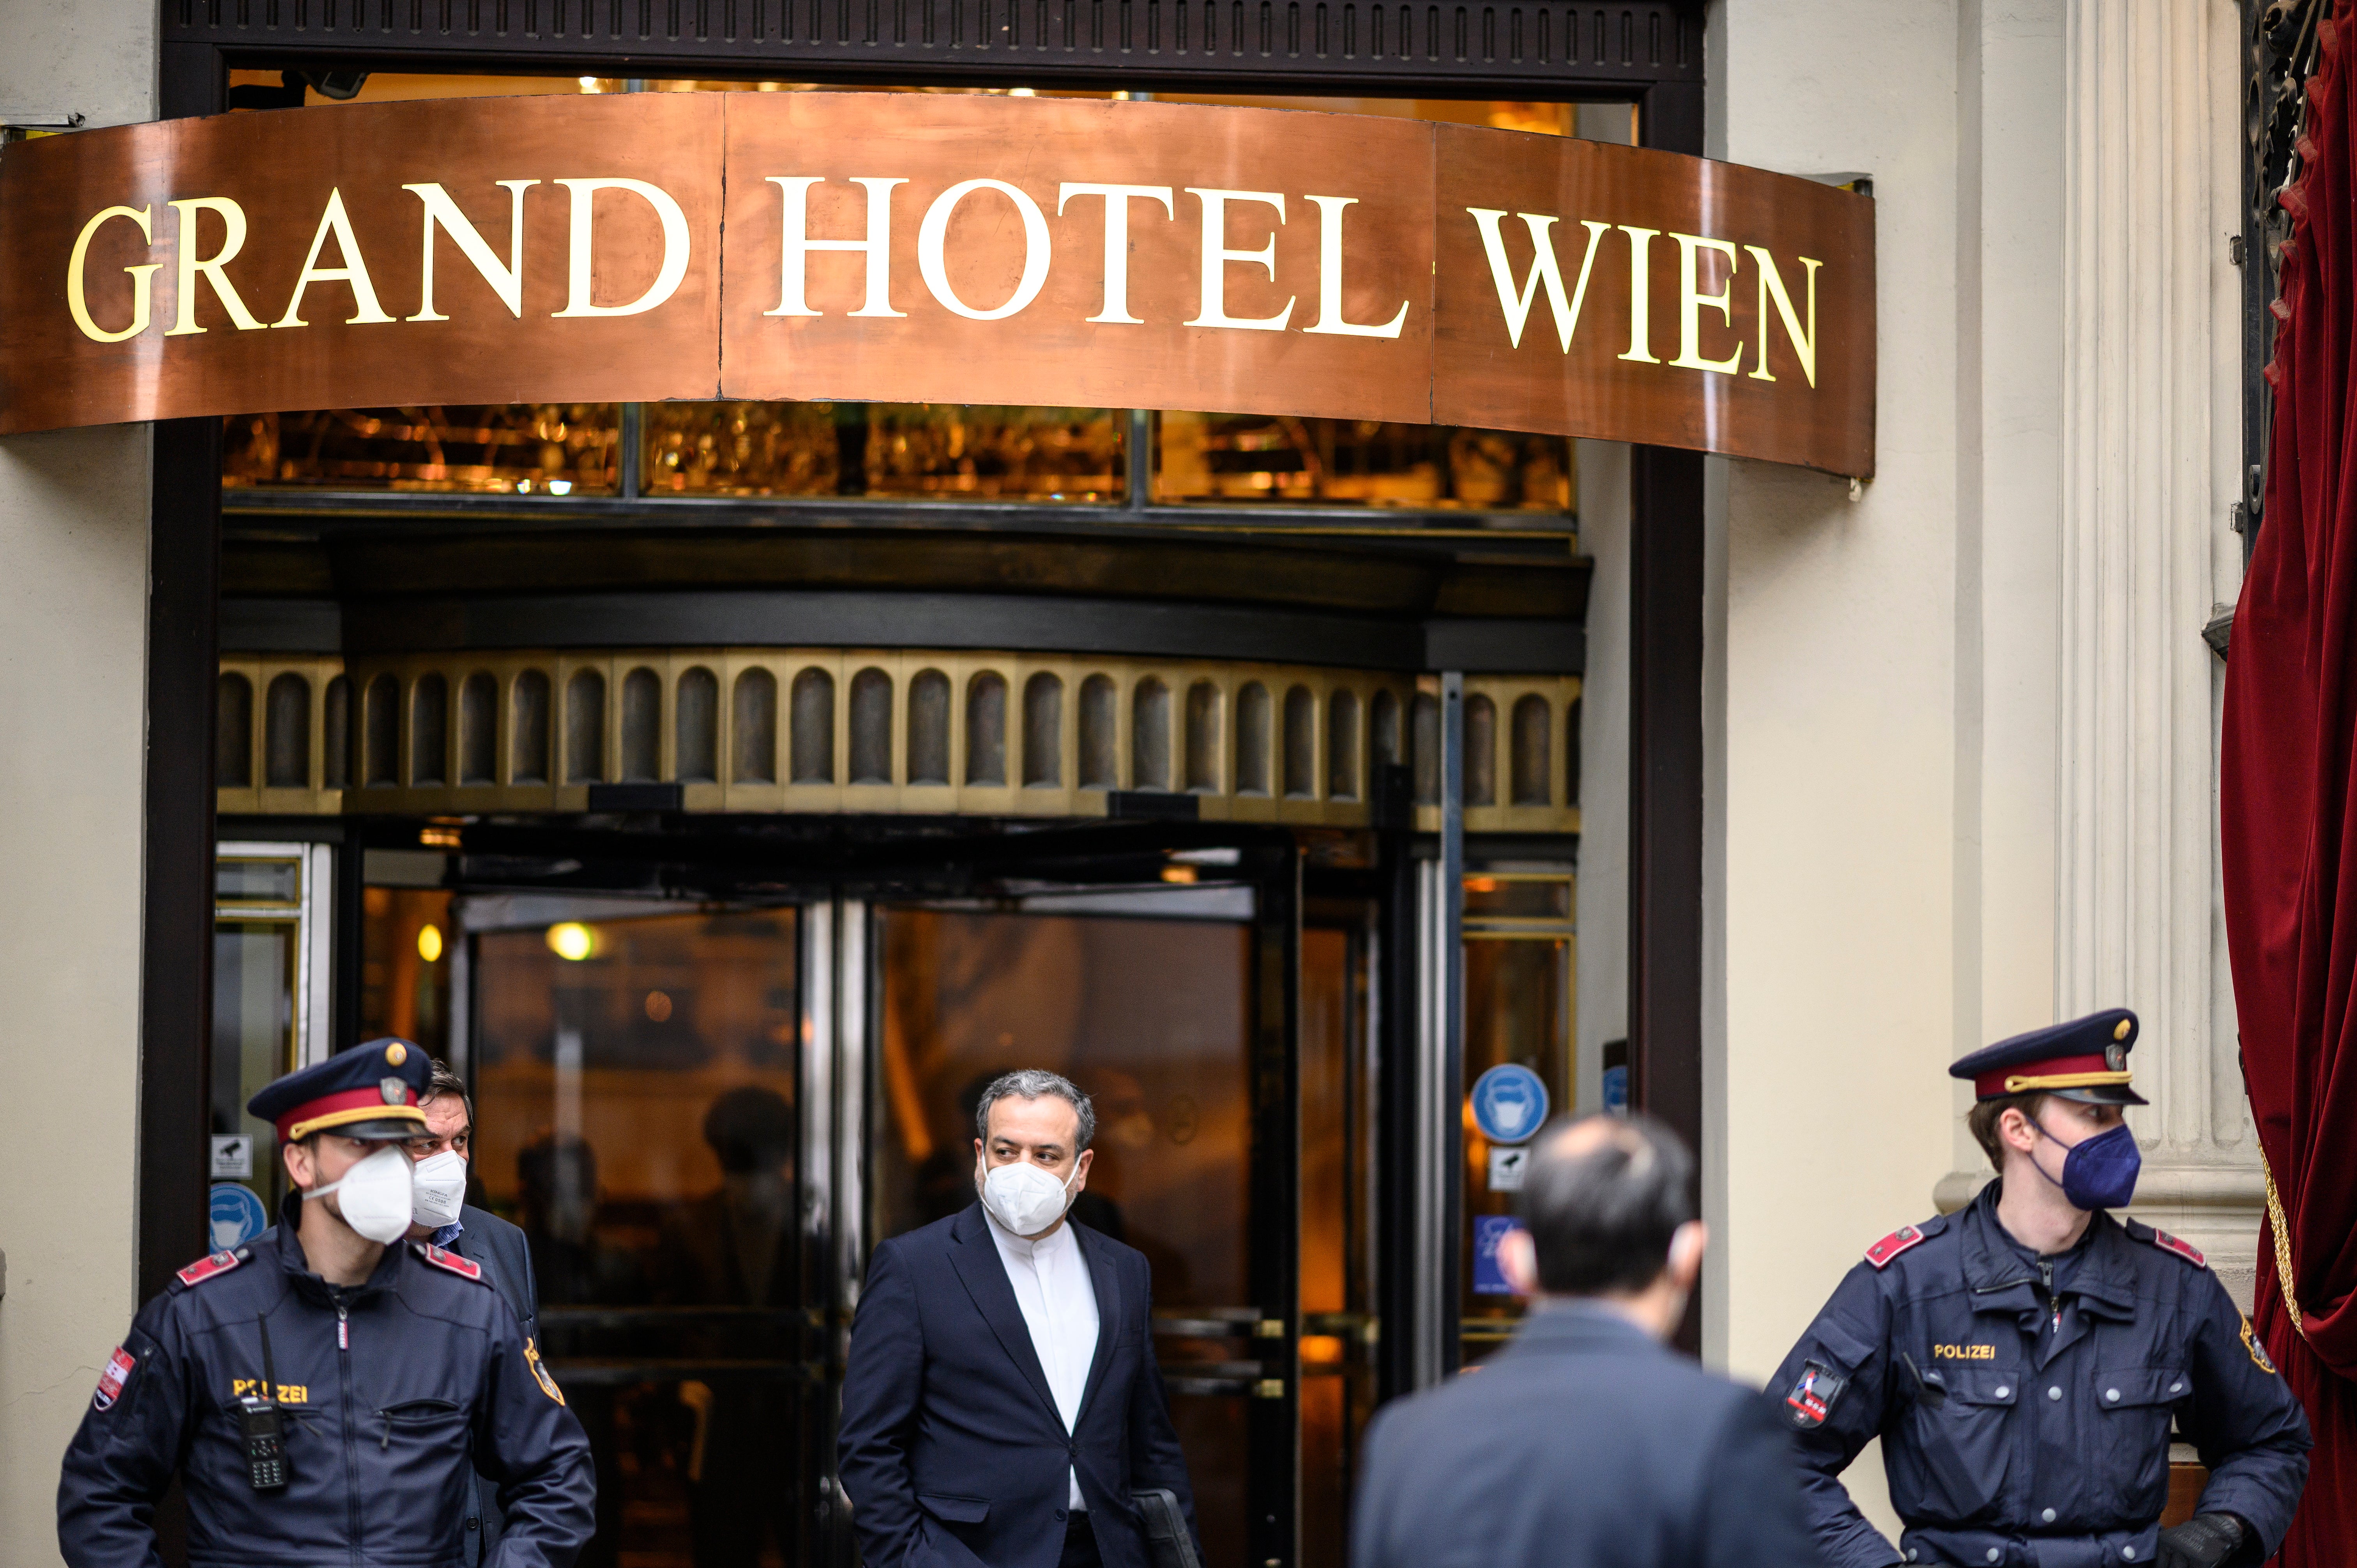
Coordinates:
(931, 248)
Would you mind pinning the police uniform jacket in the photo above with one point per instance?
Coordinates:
(396, 1392)
(2021, 1427)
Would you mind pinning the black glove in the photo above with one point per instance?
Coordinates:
(2205, 1540)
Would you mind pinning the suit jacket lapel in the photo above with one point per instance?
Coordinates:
(983, 1273)
(1104, 1279)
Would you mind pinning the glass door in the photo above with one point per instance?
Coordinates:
(1168, 1005)
(639, 1080)
(270, 1014)
(705, 1116)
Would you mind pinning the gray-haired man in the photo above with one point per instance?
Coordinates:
(1002, 1403)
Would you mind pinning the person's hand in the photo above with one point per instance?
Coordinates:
(2205, 1540)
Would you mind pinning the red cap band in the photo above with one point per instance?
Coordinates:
(336, 1107)
(1991, 1085)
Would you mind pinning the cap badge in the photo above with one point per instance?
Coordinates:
(396, 1053)
(2120, 1030)
(396, 1092)
(2115, 1058)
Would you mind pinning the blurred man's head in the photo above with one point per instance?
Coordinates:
(1608, 1216)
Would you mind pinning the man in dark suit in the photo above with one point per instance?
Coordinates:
(438, 1187)
(1002, 1403)
(1588, 1440)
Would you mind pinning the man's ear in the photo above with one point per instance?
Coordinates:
(1688, 1244)
(2014, 1130)
(1080, 1170)
(300, 1168)
(1518, 1260)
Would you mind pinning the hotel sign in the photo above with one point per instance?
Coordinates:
(925, 248)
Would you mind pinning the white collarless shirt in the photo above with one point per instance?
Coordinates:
(1059, 1306)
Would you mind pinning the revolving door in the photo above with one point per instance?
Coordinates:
(707, 1112)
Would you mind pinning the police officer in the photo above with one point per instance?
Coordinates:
(2022, 1360)
(326, 1394)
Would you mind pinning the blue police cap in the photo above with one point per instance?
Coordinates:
(2086, 1059)
(368, 1092)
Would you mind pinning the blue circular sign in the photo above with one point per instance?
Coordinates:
(1509, 1103)
(238, 1216)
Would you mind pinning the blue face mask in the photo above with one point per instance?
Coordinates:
(2100, 1173)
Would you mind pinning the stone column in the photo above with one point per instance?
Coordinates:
(2151, 459)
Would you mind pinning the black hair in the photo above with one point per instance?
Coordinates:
(1031, 1083)
(1601, 1216)
(441, 1082)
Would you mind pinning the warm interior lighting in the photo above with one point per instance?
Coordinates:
(658, 1006)
(572, 941)
(429, 944)
(1178, 874)
(438, 835)
(1480, 884)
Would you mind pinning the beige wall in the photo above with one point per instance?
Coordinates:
(1962, 727)
(73, 592)
(1882, 707)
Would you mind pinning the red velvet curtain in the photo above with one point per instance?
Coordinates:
(2289, 812)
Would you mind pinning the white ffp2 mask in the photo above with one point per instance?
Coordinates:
(1025, 1198)
(437, 1186)
(376, 1196)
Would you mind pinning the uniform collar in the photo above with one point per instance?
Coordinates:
(1999, 1272)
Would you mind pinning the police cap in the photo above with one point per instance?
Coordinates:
(2086, 1059)
(367, 1091)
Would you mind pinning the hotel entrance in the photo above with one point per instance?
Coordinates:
(705, 1110)
(730, 786)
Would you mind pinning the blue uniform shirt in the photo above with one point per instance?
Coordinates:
(394, 1392)
(2025, 1428)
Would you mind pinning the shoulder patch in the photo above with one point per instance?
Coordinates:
(211, 1266)
(2185, 1249)
(1890, 1246)
(442, 1258)
(2250, 1342)
(118, 1372)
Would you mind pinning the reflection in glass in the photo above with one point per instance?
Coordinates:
(253, 1037)
(403, 992)
(1338, 1261)
(636, 1116)
(1149, 1017)
(1237, 457)
(521, 448)
(883, 449)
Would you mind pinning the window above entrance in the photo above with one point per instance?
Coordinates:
(898, 730)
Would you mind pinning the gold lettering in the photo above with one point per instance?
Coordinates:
(142, 277)
(1116, 239)
(582, 272)
(354, 272)
(507, 282)
(1964, 1352)
(1804, 344)
(1640, 295)
(933, 232)
(1217, 255)
(794, 259)
(1544, 272)
(192, 267)
(1329, 276)
(1691, 299)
